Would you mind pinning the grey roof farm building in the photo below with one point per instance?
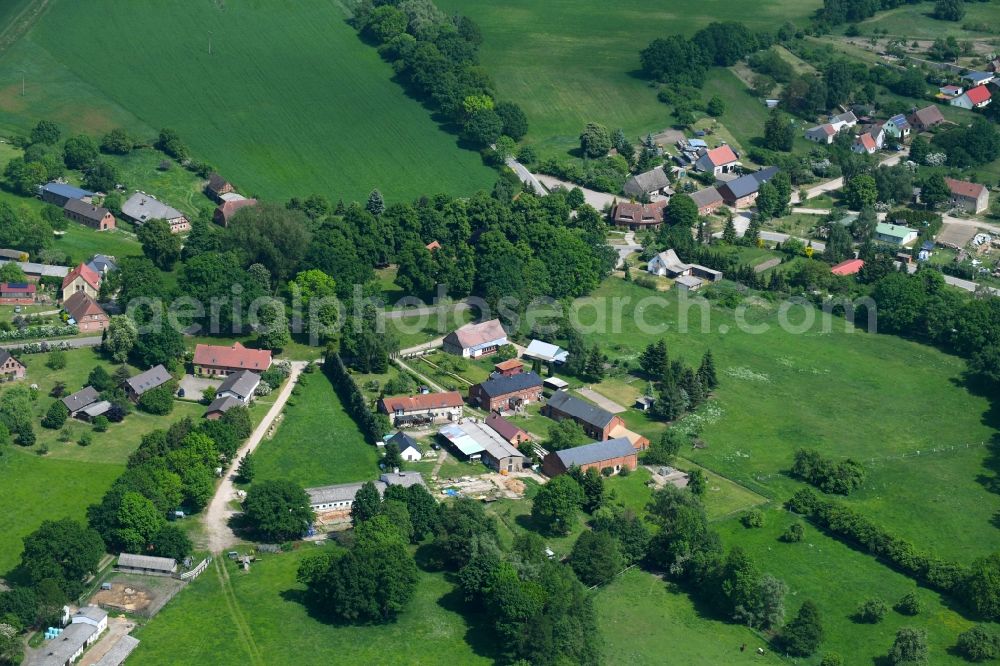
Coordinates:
(82, 399)
(649, 183)
(240, 385)
(613, 453)
(146, 381)
(58, 194)
(474, 340)
(146, 564)
(142, 207)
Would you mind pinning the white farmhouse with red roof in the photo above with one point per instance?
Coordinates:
(718, 161)
(974, 98)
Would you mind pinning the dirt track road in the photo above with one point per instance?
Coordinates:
(218, 535)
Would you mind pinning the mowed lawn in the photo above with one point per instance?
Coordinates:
(290, 102)
(317, 442)
(873, 397)
(569, 62)
(256, 618)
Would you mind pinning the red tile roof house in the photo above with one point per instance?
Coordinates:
(82, 278)
(718, 161)
(475, 340)
(219, 361)
(10, 367)
(424, 408)
(225, 211)
(506, 393)
(18, 293)
(974, 98)
(510, 432)
(433, 245)
(972, 197)
(86, 312)
(849, 267)
(636, 216)
(509, 367)
(88, 214)
(865, 143)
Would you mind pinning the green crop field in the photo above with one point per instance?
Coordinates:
(317, 443)
(290, 101)
(262, 622)
(876, 398)
(569, 62)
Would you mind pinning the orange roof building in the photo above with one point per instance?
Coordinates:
(849, 267)
(423, 408)
(219, 361)
(82, 278)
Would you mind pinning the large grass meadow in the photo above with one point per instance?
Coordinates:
(290, 101)
(570, 62)
(877, 398)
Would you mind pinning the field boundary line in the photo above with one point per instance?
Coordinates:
(22, 23)
(242, 627)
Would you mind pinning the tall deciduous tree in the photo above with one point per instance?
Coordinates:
(367, 503)
(595, 558)
(556, 505)
(64, 551)
(159, 244)
(779, 132)
(802, 636)
(278, 510)
(595, 141)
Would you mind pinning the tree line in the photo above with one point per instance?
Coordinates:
(975, 586)
(436, 56)
(679, 61)
(371, 423)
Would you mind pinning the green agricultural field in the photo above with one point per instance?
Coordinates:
(316, 443)
(872, 397)
(288, 103)
(257, 618)
(572, 62)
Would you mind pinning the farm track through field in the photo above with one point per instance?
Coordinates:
(22, 23)
(239, 620)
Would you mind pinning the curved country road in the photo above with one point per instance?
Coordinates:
(218, 535)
